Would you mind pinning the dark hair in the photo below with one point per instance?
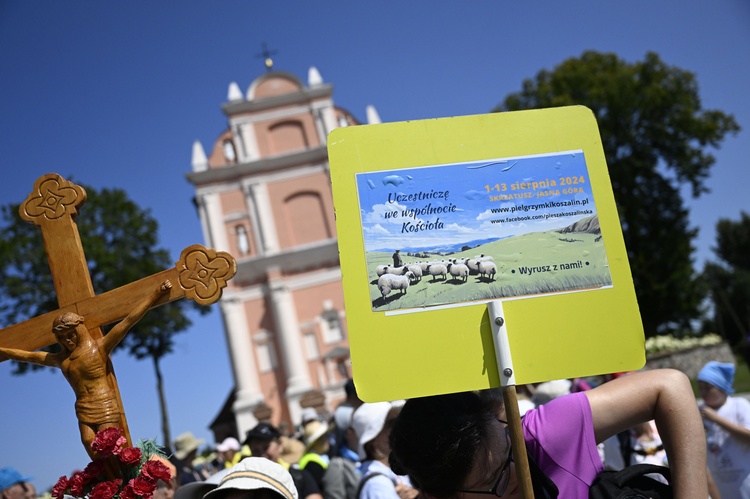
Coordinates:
(492, 398)
(435, 439)
(350, 389)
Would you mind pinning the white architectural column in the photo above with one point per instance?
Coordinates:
(329, 117)
(258, 194)
(203, 216)
(320, 125)
(245, 133)
(252, 213)
(290, 344)
(214, 221)
(246, 381)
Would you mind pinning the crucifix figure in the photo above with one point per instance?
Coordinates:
(200, 275)
(83, 361)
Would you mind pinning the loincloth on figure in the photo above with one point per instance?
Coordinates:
(98, 409)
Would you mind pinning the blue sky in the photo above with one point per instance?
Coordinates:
(113, 94)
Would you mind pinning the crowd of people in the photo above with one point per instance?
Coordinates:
(457, 445)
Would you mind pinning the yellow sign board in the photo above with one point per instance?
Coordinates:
(437, 218)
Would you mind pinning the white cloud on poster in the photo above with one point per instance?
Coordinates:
(376, 229)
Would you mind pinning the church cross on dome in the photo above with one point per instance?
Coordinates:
(266, 55)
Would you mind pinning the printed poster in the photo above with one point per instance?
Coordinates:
(531, 190)
(483, 230)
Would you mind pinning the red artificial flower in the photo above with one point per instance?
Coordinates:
(76, 484)
(127, 492)
(108, 441)
(143, 486)
(156, 470)
(93, 470)
(58, 491)
(105, 490)
(130, 456)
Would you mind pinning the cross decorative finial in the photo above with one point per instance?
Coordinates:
(266, 55)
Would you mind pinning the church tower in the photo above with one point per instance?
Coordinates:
(264, 195)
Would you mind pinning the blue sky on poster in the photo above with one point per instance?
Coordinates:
(447, 205)
(112, 94)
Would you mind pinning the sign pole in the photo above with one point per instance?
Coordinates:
(510, 398)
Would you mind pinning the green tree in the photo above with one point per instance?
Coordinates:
(120, 242)
(655, 136)
(729, 282)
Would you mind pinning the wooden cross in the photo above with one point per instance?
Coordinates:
(200, 275)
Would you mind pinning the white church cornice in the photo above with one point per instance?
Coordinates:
(303, 96)
(291, 260)
(278, 114)
(293, 283)
(234, 173)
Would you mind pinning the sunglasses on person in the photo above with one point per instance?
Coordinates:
(498, 489)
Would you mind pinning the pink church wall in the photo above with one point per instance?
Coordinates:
(304, 210)
(275, 86)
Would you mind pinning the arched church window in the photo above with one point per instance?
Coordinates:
(331, 325)
(266, 357)
(311, 346)
(229, 152)
(243, 244)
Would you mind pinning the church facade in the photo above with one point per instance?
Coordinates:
(263, 194)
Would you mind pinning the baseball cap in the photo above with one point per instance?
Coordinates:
(262, 431)
(9, 477)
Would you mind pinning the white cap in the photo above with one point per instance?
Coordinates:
(367, 421)
(343, 416)
(229, 443)
(253, 473)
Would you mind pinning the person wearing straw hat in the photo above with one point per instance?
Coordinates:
(186, 448)
(726, 420)
(315, 459)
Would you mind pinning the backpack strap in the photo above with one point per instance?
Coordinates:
(544, 487)
(364, 480)
(626, 447)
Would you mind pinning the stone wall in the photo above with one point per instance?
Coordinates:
(690, 361)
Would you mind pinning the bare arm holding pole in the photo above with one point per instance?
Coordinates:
(664, 395)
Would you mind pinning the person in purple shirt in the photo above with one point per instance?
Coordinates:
(453, 446)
